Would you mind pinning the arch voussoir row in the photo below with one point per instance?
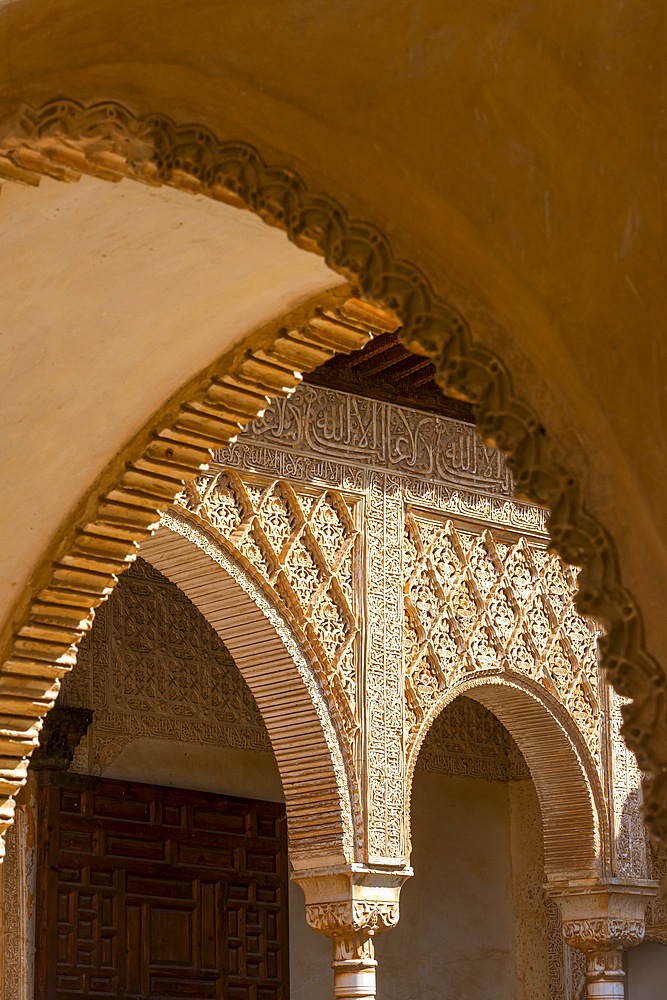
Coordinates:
(321, 798)
(65, 138)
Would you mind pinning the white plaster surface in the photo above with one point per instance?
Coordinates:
(113, 297)
(647, 972)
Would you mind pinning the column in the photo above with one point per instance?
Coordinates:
(352, 907)
(602, 919)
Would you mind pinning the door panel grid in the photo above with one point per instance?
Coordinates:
(149, 893)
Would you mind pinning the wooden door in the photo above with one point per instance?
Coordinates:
(155, 893)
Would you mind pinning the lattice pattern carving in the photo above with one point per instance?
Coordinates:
(303, 544)
(153, 667)
(476, 601)
(656, 911)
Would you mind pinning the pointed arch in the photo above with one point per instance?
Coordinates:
(321, 798)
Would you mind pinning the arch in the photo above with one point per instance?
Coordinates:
(575, 834)
(321, 800)
(55, 139)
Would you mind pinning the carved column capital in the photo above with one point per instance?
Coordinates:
(602, 940)
(351, 907)
(603, 933)
(601, 918)
(368, 916)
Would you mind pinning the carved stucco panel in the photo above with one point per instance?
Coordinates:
(379, 435)
(483, 600)
(385, 756)
(632, 851)
(468, 741)
(152, 667)
(304, 544)
(490, 598)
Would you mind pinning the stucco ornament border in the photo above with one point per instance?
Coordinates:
(64, 138)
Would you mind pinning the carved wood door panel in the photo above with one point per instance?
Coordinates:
(155, 893)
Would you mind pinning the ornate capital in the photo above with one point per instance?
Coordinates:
(351, 907)
(603, 933)
(352, 916)
(602, 940)
(601, 918)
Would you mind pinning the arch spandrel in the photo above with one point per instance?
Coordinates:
(481, 599)
(274, 659)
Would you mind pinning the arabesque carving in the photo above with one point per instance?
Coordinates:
(153, 667)
(656, 911)
(351, 916)
(468, 741)
(429, 548)
(64, 138)
(475, 601)
(304, 545)
(602, 941)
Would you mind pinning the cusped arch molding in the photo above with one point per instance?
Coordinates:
(321, 800)
(64, 138)
(574, 823)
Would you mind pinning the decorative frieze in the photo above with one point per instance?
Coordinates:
(383, 436)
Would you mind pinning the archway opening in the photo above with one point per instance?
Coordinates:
(474, 919)
(177, 755)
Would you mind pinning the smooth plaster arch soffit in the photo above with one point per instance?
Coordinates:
(65, 138)
(574, 817)
(322, 801)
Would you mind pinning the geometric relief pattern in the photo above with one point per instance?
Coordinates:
(154, 893)
(153, 666)
(304, 546)
(468, 741)
(476, 601)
